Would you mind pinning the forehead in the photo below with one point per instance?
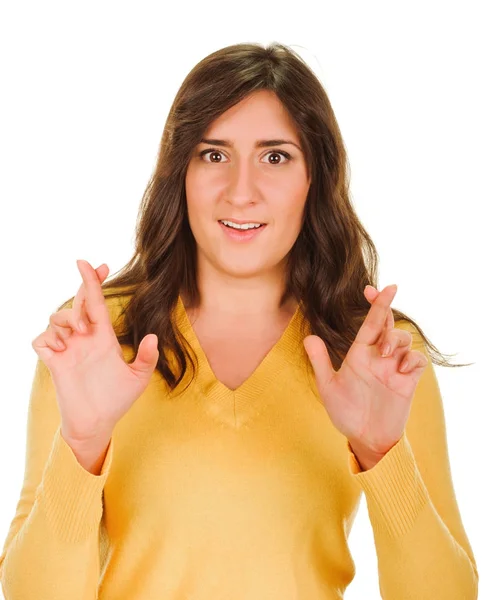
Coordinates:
(260, 115)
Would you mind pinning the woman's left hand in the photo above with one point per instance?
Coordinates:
(369, 398)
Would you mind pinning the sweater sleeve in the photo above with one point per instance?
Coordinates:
(52, 546)
(422, 548)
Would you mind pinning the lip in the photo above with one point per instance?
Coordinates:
(238, 222)
(238, 236)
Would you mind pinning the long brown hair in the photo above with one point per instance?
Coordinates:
(330, 263)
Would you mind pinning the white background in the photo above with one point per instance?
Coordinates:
(85, 94)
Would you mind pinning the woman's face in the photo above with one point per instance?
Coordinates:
(244, 182)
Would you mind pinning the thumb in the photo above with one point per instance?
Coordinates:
(320, 359)
(147, 356)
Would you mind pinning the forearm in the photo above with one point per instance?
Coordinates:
(426, 563)
(418, 555)
(59, 538)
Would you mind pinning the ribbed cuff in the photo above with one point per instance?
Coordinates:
(70, 495)
(394, 489)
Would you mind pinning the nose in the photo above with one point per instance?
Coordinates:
(242, 187)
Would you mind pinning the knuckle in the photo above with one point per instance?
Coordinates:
(64, 333)
(408, 338)
(58, 317)
(401, 338)
(59, 346)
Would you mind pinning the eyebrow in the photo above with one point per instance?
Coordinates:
(258, 143)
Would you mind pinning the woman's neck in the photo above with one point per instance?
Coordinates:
(220, 320)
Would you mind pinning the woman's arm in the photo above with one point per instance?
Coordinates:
(422, 548)
(52, 547)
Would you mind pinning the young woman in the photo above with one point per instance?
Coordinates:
(204, 424)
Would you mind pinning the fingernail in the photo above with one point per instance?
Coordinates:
(404, 366)
(386, 350)
(82, 327)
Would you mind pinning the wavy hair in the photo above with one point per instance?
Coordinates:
(331, 261)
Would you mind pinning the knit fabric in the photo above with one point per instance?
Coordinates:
(247, 494)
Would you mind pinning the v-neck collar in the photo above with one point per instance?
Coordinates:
(288, 352)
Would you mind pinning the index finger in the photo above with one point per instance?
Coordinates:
(90, 293)
(377, 317)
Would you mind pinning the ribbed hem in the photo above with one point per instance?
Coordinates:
(71, 496)
(394, 489)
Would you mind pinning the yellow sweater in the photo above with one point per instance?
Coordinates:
(234, 495)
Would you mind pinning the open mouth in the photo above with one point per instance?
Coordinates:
(242, 234)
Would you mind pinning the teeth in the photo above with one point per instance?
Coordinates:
(244, 226)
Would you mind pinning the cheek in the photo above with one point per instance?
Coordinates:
(196, 202)
(293, 219)
(290, 208)
(201, 198)
(287, 225)
(293, 227)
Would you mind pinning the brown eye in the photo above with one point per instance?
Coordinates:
(213, 151)
(282, 153)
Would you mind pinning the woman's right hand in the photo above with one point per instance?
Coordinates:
(94, 385)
